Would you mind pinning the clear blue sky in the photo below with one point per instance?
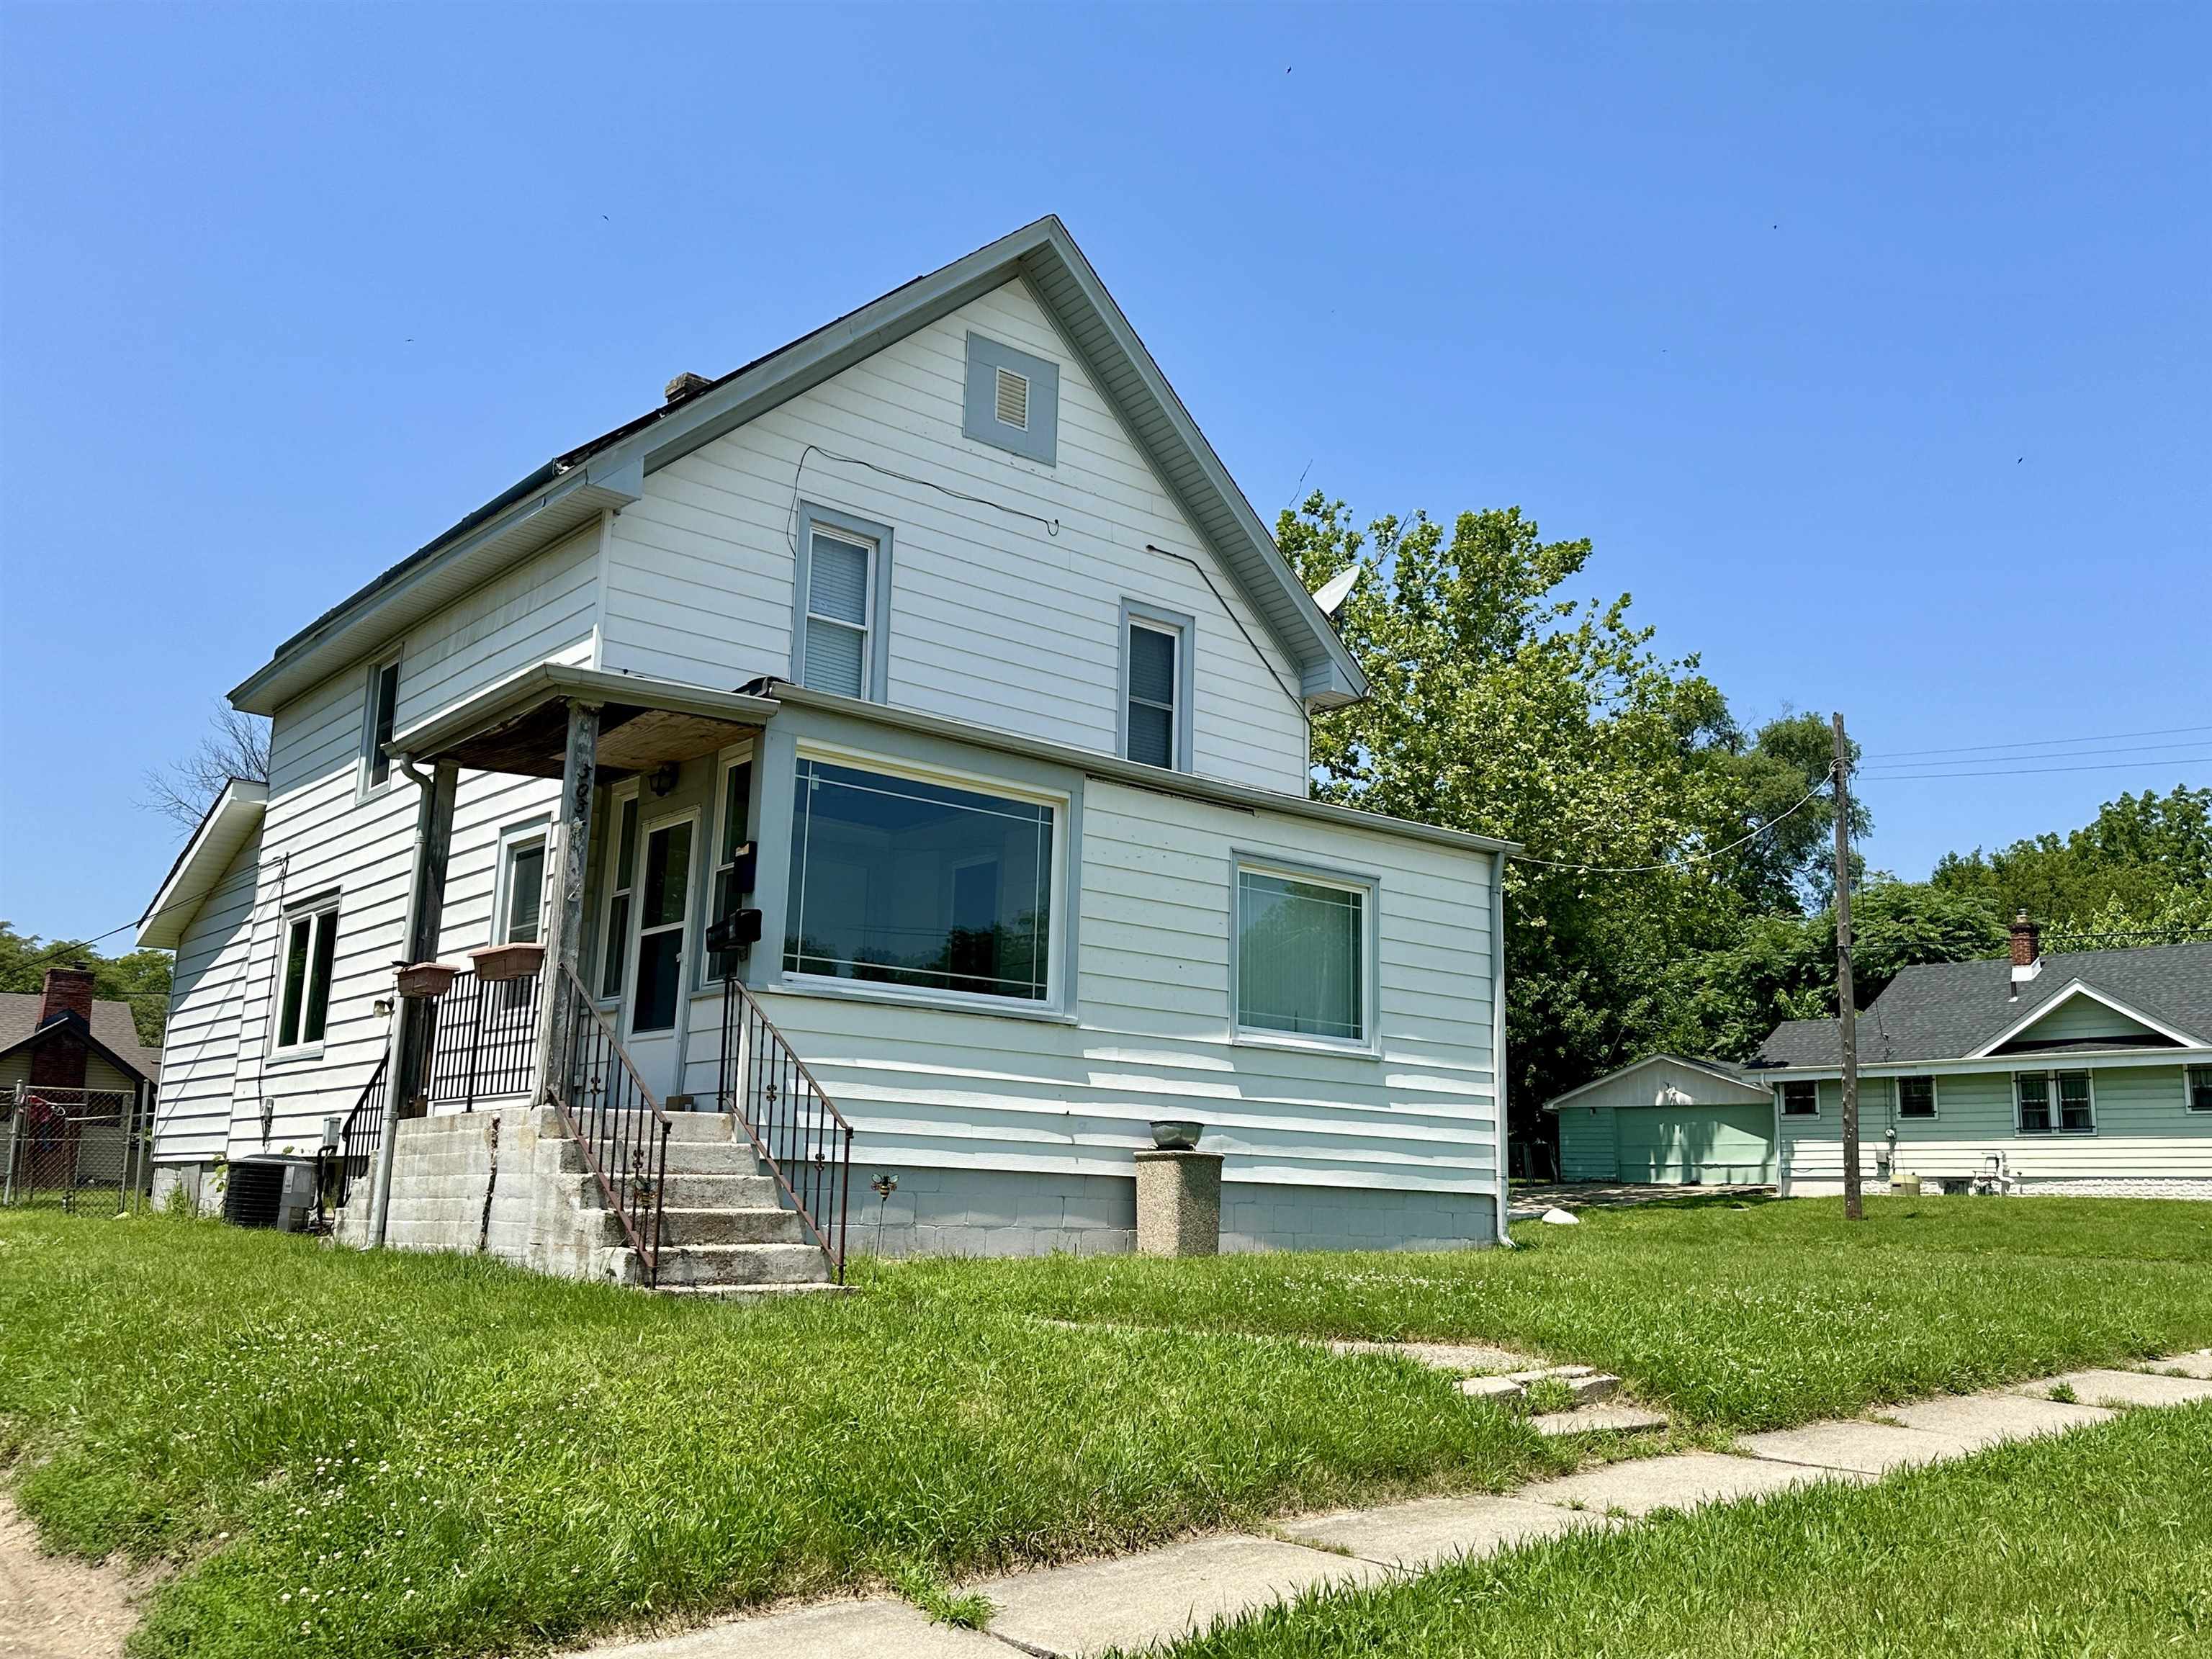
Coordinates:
(1872, 349)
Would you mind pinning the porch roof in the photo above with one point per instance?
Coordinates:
(519, 724)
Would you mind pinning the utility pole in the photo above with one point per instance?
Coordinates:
(1846, 1007)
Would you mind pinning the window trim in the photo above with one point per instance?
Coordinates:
(738, 754)
(367, 787)
(512, 840)
(1368, 1044)
(1141, 613)
(2052, 1075)
(1782, 1088)
(876, 651)
(2188, 1088)
(1053, 1004)
(321, 916)
(1038, 441)
(1897, 1097)
(618, 798)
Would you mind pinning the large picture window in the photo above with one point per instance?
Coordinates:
(899, 882)
(311, 939)
(1301, 956)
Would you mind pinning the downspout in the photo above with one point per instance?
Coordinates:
(1498, 1028)
(387, 1141)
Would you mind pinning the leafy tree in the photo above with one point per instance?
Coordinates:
(2137, 853)
(1792, 866)
(139, 977)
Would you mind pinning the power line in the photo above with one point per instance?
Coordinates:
(2060, 755)
(2039, 743)
(1688, 857)
(2033, 771)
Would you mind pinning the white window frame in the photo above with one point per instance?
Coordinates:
(1935, 1098)
(2188, 1085)
(1181, 716)
(2050, 1076)
(686, 932)
(1782, 1095)
(512, 842)
(366, 783)
(1370, 887)
(320, 916)
(728, 762)
(612, 948)
(1058, 930)
(875, 540)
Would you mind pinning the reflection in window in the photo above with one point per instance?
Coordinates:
(1301, 956)
(899, 882)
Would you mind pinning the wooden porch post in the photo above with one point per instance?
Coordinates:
(426, 915)
(569, 850)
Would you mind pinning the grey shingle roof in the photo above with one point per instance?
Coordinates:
(1948, 1010)
(112, 1028)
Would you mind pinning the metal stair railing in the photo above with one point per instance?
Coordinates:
(614, 1120)
(796, 1129)
(336, 1168)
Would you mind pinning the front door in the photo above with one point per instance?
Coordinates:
(660, 954)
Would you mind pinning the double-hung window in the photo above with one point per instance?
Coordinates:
(376, 725)
(303, 1004)
(2198, 1084)
(1916, 1097)
(1156, 686)
(732, 834)
(841, 642)
(2063, 1102)
(621, 881)
(522, 891)
(920, 886)
(1800, 1097)
(1303, 954)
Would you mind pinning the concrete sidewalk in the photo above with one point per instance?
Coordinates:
(1156, 1597)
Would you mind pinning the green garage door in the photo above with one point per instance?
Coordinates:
(1695, 1145)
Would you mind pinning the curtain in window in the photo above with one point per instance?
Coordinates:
(1301, 956)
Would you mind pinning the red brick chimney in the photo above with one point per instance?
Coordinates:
(2027, 941)
(59, 1061)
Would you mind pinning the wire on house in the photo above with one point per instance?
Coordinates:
(1687, 858)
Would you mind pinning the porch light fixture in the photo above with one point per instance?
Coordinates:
(664, 778)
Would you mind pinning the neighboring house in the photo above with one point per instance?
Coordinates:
(62, 1037)
(938, 647)
(2084, 1072)
(1687, 1122)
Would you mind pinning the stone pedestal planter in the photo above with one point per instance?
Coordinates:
(1178, 1203)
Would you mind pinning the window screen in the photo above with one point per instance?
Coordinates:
(837, 595)
(1301, 956)
(1152, 681)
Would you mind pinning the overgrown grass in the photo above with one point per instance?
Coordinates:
(410, 1455)
(1734, 1315)
(2096, 1543)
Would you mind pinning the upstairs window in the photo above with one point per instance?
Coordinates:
(1302, 948)
(1156, 686)
(1800, 1097)
(841, 641)
(1013, 400)
(376, 729)
(2200, 1088)
(1916, 1097)
(311, 941)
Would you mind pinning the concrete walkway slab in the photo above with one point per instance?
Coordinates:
(2102, 1387)
(1414, 1536)
(1137, 1602)
(1466, 1358)
(1977, 1421)
(2189, 1364)
(1597, 1419)
(1685, 1482)
(1869, 1448)
(834, 1630)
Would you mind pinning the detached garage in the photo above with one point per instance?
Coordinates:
(1683, 1122)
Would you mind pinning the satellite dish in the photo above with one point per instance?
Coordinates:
(1331, 594)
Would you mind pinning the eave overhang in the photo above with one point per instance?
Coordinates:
(230, 822)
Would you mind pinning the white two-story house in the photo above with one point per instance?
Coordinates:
(937, 650)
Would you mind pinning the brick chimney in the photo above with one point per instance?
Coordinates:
(2027, 941)
(686, 385)
(59, 1062)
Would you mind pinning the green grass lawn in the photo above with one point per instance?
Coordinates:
(2099, 1543)
(1734, 1315)
(426, 1456)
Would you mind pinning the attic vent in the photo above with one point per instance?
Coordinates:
(1013, 399)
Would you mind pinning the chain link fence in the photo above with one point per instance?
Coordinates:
(75, 1149)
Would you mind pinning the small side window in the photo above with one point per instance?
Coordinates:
(1800, 1097)
(376, 729)
(1916, 1097)
(1157, 686)
(621, 880)
(2200, 1088)
(522, 904)
(311, 939)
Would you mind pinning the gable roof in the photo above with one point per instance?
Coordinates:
(1956, 1009)
(610, 470)
(111, 1029)
(1726, 1071)
(232, 818)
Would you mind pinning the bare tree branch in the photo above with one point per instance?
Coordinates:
(183, 790)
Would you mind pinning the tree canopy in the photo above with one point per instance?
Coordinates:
(139, 977)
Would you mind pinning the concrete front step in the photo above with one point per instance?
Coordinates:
(712, 1158)
(731, 1227)
(748, 1292)
(731, 1190)
(727, 1265)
